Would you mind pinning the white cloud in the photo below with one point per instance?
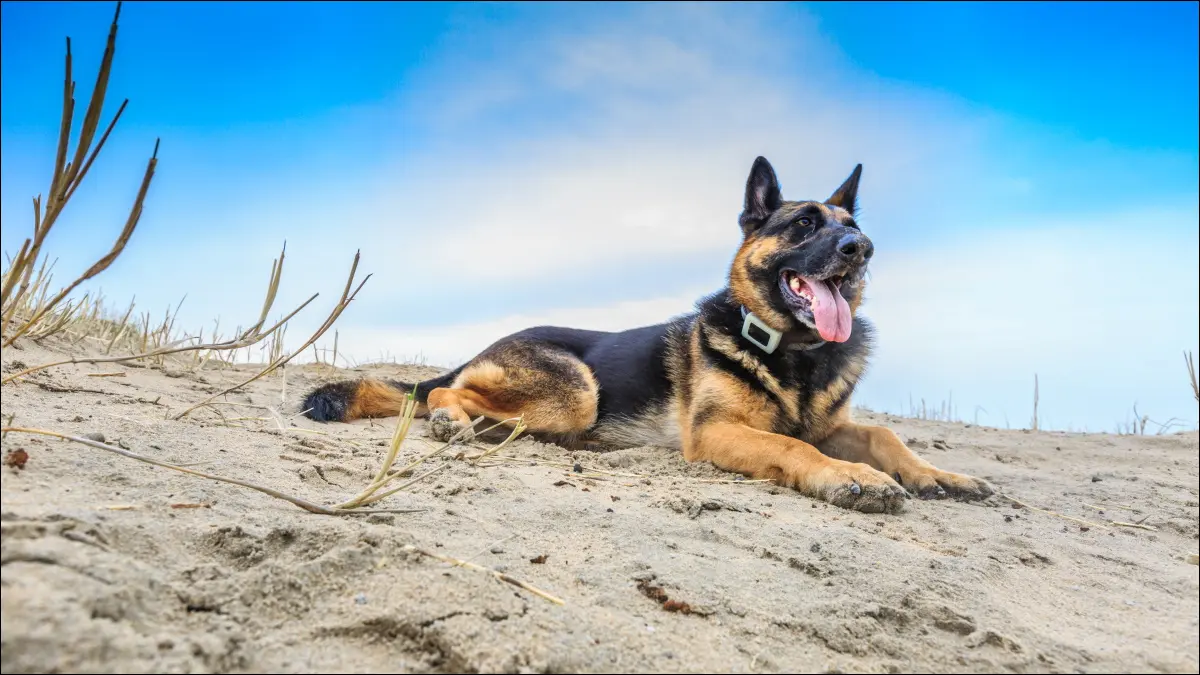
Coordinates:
(450, 345)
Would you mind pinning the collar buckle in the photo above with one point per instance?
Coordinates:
(752, 325)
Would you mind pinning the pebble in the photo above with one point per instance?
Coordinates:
(95, 436)
(360, 599)
(497, 550)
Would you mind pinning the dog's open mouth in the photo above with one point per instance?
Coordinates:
(819, 303)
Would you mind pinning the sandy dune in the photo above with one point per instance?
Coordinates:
(102, 574)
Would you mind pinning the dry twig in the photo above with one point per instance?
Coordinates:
(1080, 521)
(302, 503)
(348, 296)
(19, 287)
(479, 568)
(251, 336)
(1191, 367)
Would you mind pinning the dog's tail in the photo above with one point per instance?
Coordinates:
(355, 399)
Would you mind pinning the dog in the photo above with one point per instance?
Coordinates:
(757, 380)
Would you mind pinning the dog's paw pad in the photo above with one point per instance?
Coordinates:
(443, 427)
(966, 488)
(866, 490)
(931, 483)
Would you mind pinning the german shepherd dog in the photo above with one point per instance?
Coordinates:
(757, 380)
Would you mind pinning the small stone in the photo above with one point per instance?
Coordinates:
(578, 467)
(360, 599)
(1096, 478)
(497, 550)
(94, 436)
(816, 547)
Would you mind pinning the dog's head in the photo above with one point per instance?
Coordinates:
(802, 265)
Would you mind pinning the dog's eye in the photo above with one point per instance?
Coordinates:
(805, 221)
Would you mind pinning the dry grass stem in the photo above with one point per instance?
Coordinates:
(1137, 525)
(1190, 360)
(243, 339)
(1034, 424)
(24, 302)
(348, 295)
(1079, 521)
(302, 503)
(479, 568)
(385, 474)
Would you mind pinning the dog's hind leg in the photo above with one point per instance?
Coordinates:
(547, 386)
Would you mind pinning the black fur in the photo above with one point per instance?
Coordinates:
(329, 402)
(763, 196)
(630, 366)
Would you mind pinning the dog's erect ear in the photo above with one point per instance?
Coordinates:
(762, 196)
(847, 195)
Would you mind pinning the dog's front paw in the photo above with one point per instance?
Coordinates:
(932, 483)
(443, 427)
(859, 487)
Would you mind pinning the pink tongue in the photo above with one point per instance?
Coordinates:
(831, 311)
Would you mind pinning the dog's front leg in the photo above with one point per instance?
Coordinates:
(794, 463)
(882, 448)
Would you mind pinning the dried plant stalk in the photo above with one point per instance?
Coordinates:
(302, 503)
(1191, 367)
(249, 337)
(19, 285)
(344, 302)
(495, 573)
(1080, 521)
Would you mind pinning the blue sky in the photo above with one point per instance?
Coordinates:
(1030, 173)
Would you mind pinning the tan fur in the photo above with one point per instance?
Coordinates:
(503, 392)
(823, 418)
(749, 294)
(793, 463)
(724, 344)
(377, 399)
(881, 448)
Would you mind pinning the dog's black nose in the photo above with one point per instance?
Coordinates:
(855, 245)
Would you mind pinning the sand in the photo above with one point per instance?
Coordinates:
(103, 572)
